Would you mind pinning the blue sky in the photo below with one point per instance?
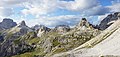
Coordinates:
(57, 12)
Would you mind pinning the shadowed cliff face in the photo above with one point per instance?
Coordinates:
(110, 19)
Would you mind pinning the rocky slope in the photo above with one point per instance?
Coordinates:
(8, 46)
(105, 44)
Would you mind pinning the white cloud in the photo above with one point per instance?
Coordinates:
(98, 10)
(39, 7)
(79, 5)
(6, 7)
(6, 11)
(53, 21)
(115, 7)
(10, 3)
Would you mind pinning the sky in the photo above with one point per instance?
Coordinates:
(57, 12)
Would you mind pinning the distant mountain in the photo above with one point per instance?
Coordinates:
(19, 29)
(62, 28)
(37, 27)
(7, 24)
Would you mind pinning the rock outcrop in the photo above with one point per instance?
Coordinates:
(43, 30)
(62, 28)
(37, 27)
(110, 19)
(7, 24)
(22, 24)
(84, 24)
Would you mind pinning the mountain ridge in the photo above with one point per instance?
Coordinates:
(41, 41)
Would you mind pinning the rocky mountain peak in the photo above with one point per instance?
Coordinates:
(22, 24)
(7, 20)
(110, 19)
(7, 23)
(20, 29)
(84, 24)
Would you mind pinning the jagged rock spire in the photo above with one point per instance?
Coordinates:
(84, 24)
(22, 24)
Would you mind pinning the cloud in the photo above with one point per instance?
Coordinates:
(115, 7)
(39, 7)
(6, 7)
(56, 20)
(98, 10)
(10, 3)
(6, 11)
(78, 5)
(85, 7)
(42, 7)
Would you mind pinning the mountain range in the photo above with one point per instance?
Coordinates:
(83, 40)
